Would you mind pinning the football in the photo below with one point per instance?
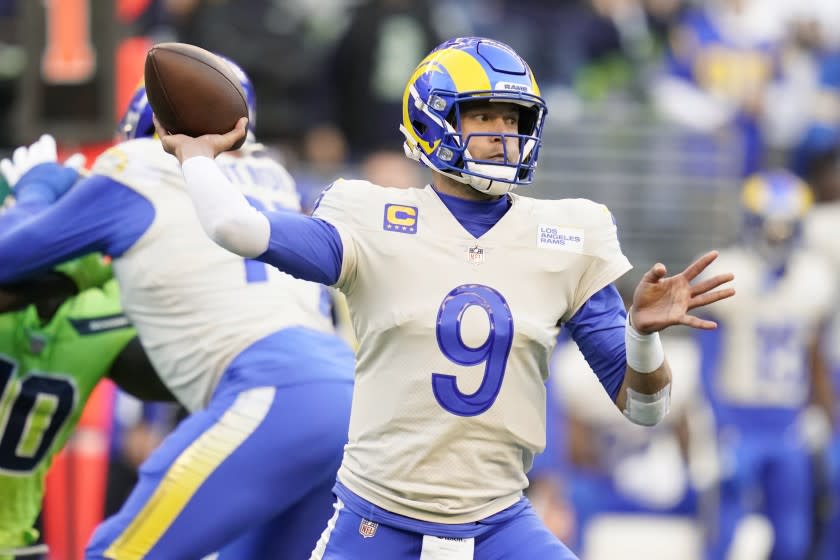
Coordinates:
(192, 91)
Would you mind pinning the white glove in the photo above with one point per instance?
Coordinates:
(76, 161)
(42, 151)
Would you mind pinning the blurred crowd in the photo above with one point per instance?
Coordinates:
(767, 70)
(762, 74)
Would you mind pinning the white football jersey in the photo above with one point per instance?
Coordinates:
(195, 305)
(767, 328)
(455, 336)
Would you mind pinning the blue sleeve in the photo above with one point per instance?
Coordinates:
(37, 189)
(20, 212)
(598, 330)
(305, 247)
(97, 215)
(45, 183)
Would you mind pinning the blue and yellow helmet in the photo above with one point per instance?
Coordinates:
(774, 205)
(463, 70)
(137, 120)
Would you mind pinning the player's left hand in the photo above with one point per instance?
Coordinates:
(661, 301)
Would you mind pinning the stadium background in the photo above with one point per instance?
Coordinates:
(329, 76)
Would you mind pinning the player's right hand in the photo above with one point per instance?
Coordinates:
(184, 147)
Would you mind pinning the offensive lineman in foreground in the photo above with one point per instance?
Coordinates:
(252, 354)
(59, 336)
(457, 292)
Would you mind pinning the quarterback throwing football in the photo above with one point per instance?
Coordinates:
(457, 291)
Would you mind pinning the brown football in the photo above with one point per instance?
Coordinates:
(192, 91)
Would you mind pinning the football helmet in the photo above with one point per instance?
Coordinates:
(457, 72)
(774, 205)
(137, 121)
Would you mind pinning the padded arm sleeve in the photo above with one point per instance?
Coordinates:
(226, 216)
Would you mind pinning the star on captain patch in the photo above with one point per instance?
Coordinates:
(475, 255)
(368, 528)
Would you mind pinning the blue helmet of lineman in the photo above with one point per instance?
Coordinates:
(137, 121)
(457, 72)
(774, 204)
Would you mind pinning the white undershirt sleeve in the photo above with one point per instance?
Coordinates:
(224, 213)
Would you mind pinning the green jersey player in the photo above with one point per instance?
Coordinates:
(52, 355)
(48, 368)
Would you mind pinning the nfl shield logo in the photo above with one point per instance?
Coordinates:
(476, 255)
(367, 528)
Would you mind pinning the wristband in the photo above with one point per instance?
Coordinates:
(644, 351)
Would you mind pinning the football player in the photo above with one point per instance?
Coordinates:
(250, 351)
(457, 291)
(52, 354)
(761, 368)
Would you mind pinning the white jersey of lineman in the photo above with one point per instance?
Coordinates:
(768, 327)
(195, 305)
(455, 336)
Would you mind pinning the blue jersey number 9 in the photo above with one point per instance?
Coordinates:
(35, 410)
(493, 352)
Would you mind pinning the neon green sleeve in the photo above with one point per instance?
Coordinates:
(90, 271)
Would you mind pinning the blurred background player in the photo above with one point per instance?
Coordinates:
(606, 466)
(763, 370)
(428, 466)
(53, 353)
(249, 351)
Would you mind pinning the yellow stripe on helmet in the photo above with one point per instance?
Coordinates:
(463, 69)
(754, 194)
(535, 89)
(422, 68)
